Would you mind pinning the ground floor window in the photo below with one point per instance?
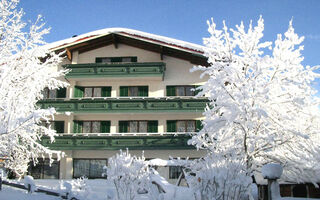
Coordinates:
(90, 168)
(43, 170)
(174, 172)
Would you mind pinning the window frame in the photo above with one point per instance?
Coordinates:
(194, 93)
(52, 123)
(119, 59)
(124, 91)
(91, 125)
(138, 125)
(73, 166)
(92, 91)
(186, 125)
(42, 163)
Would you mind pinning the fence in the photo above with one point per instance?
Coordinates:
(38, 189)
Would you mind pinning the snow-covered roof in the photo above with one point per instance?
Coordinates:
(148, 37)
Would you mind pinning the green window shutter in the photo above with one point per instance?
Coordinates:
(105, 126)
(106, 92)
(59, 126)
(171, 91)
(198, 125)
(143, 91)
(134, 59)
(152, 126)
(77, 126)
(61, 93)
(124, 91)
(196, 91)
(78, 91)
(123, 126)
(171, 126)
(98, 60)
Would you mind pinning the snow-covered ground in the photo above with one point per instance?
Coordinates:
(11, 193)
(98, 190)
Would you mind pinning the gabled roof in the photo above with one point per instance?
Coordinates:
(163, 45)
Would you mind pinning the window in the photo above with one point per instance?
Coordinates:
(183, 125)
(43, 170)
(182, 90)
(58, 126)
(299, 190)
(52, 94)
(92, 91)
(174, 172)
(116, 59)
(90, 168)
(134, 91)
(91, 126)
(138, 126)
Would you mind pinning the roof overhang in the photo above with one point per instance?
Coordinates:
(88, 43)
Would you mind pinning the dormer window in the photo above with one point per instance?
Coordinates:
(116, 59)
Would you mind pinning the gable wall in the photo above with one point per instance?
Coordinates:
(177, 70)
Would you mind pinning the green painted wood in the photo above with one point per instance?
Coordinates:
(105, 126)
(123, 126)
(171, 126)
(117, 142)
(78, 91)
(134, 69)
(77, 126)
(152, 126)
(199, 125)
(143, 91)
(126, 105)
(106, 92)
(171, 90)
(124, 91)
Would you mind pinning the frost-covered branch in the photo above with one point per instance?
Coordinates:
(263, 106)
(26, 68)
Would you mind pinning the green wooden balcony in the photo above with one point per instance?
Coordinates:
(126, 104)
(96, 70)
(81, 142)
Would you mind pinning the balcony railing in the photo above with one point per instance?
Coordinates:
(94, 70)
(126, 104)
(115, 142)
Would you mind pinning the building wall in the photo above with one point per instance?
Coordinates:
(66, 163)
(177, 73)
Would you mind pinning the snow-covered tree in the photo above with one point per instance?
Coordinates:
(262, 107)
(131, 175)
(26, 68)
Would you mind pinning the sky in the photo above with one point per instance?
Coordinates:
(179, 19)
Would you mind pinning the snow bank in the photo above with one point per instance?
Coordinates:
(272, 171)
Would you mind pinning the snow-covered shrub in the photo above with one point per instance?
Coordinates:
(77, 188)
(29, 182)
(130, 176)
(219, 178)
